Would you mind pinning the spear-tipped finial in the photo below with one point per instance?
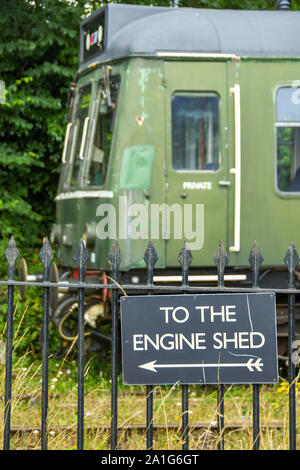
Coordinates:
(81, 254)
(150, 256)
(291, 260)
(221, 259)
(46, 254)
(185, 258)
(255, 259)
(11, 252)
(115, 255)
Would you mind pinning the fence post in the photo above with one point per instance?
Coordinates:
(185, 258)
(81, 257)
(11, 254)
(220, 259)
(114, 257)
(150, 258)
(291, 260)
(255, 259)
(46, 256)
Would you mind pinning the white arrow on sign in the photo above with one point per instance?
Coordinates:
(250, 365)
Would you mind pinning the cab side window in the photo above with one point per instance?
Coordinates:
(288, 139)
(195, 131)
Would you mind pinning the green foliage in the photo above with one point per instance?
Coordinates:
(39, 56)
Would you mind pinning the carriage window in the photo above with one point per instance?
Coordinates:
(288, 139)
(195, 131)
(79, 124)
(102, 139)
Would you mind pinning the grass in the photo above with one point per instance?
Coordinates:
(62, 416)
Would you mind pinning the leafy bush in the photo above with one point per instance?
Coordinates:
(39, 56)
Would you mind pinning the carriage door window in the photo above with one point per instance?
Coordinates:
(103, 131)
(195, 131)
(288, 139)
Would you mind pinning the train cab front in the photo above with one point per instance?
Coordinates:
(85, 179)
(85, 184)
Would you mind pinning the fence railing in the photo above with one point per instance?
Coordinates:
(291, 260)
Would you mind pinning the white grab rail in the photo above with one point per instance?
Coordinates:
(236, 171)
(63, 159)
(84, 133)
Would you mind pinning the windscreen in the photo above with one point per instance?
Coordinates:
(97, 164)
(79, 131)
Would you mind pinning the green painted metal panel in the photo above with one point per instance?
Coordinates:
(136, 167)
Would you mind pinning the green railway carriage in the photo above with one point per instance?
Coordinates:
(184, 124)
(184, 106)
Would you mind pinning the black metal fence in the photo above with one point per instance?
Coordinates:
(185, 259)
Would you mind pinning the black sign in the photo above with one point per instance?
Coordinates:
(208, 339)
(92, 42)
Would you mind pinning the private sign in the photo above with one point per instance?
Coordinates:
(208, 339)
